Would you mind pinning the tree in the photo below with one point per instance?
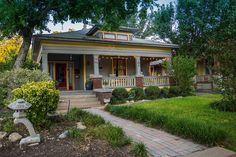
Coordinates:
(163, 22)
(183, 71)
(25, 17)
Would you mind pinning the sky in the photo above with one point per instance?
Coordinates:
(77, 26)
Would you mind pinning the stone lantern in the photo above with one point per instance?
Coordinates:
(19, 106)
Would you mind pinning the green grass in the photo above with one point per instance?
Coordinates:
(139, 150)
(190, 117)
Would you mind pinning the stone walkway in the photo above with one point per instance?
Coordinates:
(159, 143)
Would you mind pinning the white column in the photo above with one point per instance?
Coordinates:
(138, 66)
(96, 65)
(45, 62)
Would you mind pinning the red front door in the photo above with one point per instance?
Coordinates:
(61, 75)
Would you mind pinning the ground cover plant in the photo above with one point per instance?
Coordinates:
(190, 117)
(97, 139)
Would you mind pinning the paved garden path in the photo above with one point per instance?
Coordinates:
(159, 143)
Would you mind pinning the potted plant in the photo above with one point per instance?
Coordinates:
(89, 85)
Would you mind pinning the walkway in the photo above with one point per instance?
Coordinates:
(159, 143)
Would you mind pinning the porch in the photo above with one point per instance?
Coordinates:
(107, 72)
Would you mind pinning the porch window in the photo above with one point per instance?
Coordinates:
(122, 37)
(119, 67)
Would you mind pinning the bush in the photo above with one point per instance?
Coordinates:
(10, 80)
(152, 92)
(140, 150)
(113, 135)
(3, 96)
(174, 91)
(224, 105)
(44, 99)
(136, 94)
(183, 71)
(164, 92)
(8, 125)
(119, 96)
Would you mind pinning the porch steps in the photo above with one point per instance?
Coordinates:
(77, 100)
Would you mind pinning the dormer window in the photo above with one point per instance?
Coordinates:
(109, 36)
(122, 37)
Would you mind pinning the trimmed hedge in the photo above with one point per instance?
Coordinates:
(44, 99)
(119, 96)
(136, 93)
(199, 131)
(152, 92)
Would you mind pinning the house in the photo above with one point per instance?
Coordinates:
(109, 59)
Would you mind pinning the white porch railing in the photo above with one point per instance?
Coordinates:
(156, 80)
(203, 78)
(121, 81)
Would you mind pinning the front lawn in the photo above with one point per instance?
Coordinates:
(189, 117)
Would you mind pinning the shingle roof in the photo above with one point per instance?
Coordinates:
(82, 35)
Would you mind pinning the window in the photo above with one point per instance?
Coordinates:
(109, 36)
(122, 37)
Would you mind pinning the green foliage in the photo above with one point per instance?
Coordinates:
(136, 94)
(190, 117)
(164, 92)
(152, 92)
(184, 70)
(30, 64)
(222, 105)
(3, 96)
(113, 135)
(174, 91)
(92, 120)
(119, 96)
(75, 114)
(8, 125)
(44, 99)
(139, 150)
(74, 133)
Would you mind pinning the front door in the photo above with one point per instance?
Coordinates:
(61, 76)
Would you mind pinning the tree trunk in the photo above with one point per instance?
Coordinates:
(23, 52)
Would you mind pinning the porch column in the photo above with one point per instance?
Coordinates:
(96, 78)
(45, 62)
(139, 76)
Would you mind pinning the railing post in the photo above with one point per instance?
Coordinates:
(139, 81)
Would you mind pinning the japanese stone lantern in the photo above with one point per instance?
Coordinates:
(19, 106)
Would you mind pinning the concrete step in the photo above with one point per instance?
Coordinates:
(78, 96)
(79, 99)
(64, 106)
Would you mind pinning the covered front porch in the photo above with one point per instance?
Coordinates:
(106, 71)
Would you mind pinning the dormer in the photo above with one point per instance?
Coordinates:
(123, 34)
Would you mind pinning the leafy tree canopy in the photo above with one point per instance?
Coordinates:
(25, 17)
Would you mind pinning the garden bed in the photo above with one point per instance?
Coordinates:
(87, 142)
(189, 117)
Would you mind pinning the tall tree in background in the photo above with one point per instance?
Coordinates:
(25, 17)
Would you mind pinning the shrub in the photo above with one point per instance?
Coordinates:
(164, 92)
(174, 91)
(152, 92)
(136, 94)
(113, 135)
(3, 96)
(10, 80)
(8, 125)
(183, 71)
(224, 105)
(44, 99)
(119, 95)
(139, 150)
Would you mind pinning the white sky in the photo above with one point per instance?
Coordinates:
(77, 26)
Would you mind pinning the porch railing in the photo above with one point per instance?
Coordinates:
(203, 78)
(156, 80)
(121, 81)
